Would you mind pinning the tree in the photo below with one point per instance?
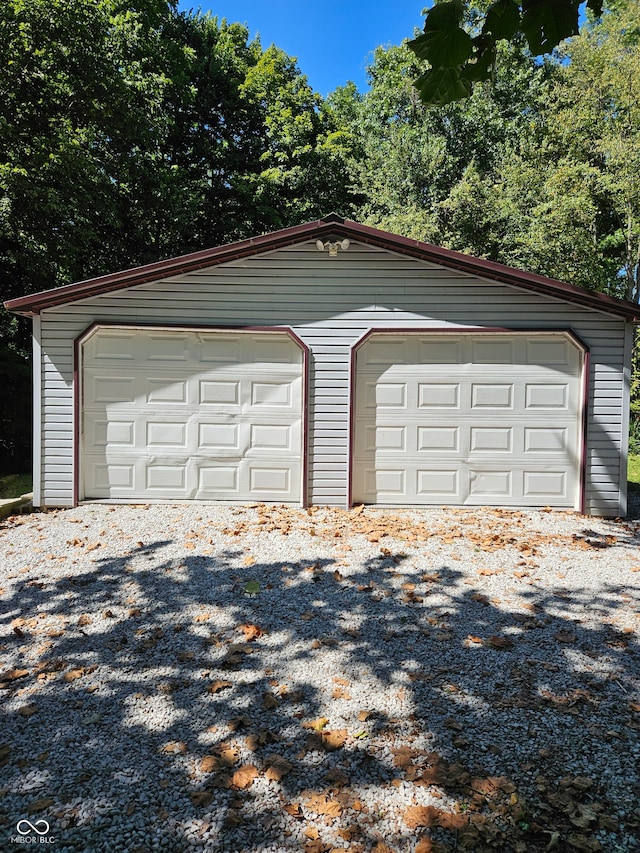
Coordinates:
(460, 39)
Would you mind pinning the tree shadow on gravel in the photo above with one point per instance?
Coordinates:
(162, 698)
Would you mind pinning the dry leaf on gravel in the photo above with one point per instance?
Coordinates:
(269, 701)
(201, 798)
(498, 643)
(320, 804)
(334, 738)
(336, 777)
(251, 632)
(73, 674)
(244, 776)
(316, 725)
(40, 805)
(277, 767)
(7, 678)
(174, 748)
(293, 809)
(416, 816)
(209, 764)
(582, 842)
(217, 686)
(28, 710)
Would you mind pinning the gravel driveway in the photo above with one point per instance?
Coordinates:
(199, 677)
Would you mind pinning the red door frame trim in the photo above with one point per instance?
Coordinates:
(186, 327)
(466, 330)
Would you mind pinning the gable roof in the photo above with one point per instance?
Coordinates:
(330, 226)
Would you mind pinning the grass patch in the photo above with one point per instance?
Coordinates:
(14, 485)
(633, 472)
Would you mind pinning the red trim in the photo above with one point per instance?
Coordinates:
(330, 225)
(107, 324)
(466, 330)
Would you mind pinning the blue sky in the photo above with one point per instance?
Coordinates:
(333, 40)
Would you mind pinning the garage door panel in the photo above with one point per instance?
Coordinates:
(491, 439)
(492, 395)
(219, 392)
(547, 396)
(490, 485)
(435, 439)
(199, 420)
(546, 440)
(546, 484)
(438, 485)
(440, 352)
(440, 395)
(486, 423)
(493, 351)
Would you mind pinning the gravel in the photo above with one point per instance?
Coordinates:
(210, 677)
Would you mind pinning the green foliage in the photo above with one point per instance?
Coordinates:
(457, 59)
(633, 467)
(15, 412)
(15, 485)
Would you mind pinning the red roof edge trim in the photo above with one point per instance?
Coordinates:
(331, 224)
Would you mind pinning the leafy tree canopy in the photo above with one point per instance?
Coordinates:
(460, 39)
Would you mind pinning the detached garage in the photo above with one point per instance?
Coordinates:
(331, 363)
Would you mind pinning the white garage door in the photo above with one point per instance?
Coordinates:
(468, 419)
(191, 415)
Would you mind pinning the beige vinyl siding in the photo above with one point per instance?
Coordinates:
(330, 303)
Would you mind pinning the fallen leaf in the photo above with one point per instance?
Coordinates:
(28, 710)
(582, 842)
(334, 739)
(251, 632)
(311, 832)
(12, 675)
(84, 620)
(293, 809)
(336, 777)
(316, 725)
(340, 693)
(565, 637)
(415, 816)
(269, 701)
(73, 674)
(201, 798)
(244, 776)
(174, 747)
(635, 706)
(232, 819)
(209, 763)
(228, 753)
(320, 804)
(277, 767)
(217, 686)
(496, 642)
(40, 805)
